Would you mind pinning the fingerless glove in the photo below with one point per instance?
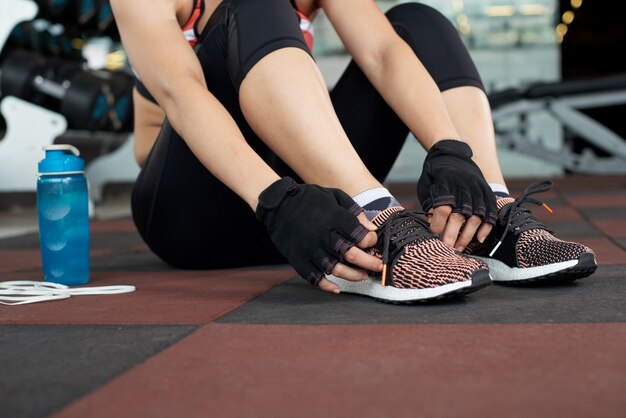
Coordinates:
(312, 226)
(450, 177)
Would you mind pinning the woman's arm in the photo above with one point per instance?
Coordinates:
(169, 68)
(405, 84)
(392, 67)
(304, 221)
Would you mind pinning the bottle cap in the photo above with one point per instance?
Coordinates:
(57, 160)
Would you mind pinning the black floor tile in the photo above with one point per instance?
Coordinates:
(599, 298)
(46, 367)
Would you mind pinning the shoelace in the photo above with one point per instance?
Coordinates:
(519, 218)
(397, 226)
(21, 292)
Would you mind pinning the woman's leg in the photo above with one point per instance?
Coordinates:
(293, 114)
(526, 254)
(378, 134)
(186, 215)
(470, 112)
(189, 218)
(440, 48)
(374, 129)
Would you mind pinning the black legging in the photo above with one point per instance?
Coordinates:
(187, 216)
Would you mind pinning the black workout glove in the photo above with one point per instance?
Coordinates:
(311, 226)
(450, 177)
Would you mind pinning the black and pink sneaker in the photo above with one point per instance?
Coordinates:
(520, 249)
(418, 267)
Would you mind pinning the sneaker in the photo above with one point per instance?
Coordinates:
(520, 249)
(418, 267)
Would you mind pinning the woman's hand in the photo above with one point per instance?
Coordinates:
(453, 189)
(357, 257)
(318, 230)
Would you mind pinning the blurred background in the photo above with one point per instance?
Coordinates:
(519, 43)
(553, 70)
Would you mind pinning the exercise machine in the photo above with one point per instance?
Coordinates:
(565, 102)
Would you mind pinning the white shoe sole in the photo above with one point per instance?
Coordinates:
(563, 271)
(373, 288)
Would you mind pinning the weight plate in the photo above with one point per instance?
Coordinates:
(121, 113)
(105, 15)
(18, 71)
(85, 104)
(86, 10)
(57, 8)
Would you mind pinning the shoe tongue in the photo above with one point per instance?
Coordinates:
(380, 219)
(503, 201)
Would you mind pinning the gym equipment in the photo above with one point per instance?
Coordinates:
(58, 42)
(54, 10)
(43, 37)
(121, 111)
(27, 35)
(13, 12)
(105, 20)
(86, 100)
(564, 102)
(95, 16)
(86, 10)
(118, 166)
(29, 128)
(82, 97)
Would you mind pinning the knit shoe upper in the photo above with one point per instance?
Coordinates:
(519, 240)
(415, 257)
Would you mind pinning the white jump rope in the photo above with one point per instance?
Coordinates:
(22, 292)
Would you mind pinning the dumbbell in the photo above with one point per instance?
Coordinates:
(86, 10)
(104, 18)
(96, 17)
(121, 115)
(58, 42)
(30, 34)
(84, 99)
(121, 84)
(70, 13)
(55, 10)
(44, 37)
(12, 84)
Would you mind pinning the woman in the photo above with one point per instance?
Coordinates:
(247, 111)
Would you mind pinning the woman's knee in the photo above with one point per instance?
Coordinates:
(437, 44)
(420, 18)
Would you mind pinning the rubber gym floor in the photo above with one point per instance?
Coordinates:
(259, 342)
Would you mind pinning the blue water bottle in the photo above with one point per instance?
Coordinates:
(63, 208)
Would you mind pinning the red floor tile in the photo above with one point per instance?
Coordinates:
(549, 195)
(607, 252)
(612, 200)
(561, 214)
(179, 297)
(547, 370)
(115, 225)
(141, 247)
(13, 260)
(614, 228)
(577, 182)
